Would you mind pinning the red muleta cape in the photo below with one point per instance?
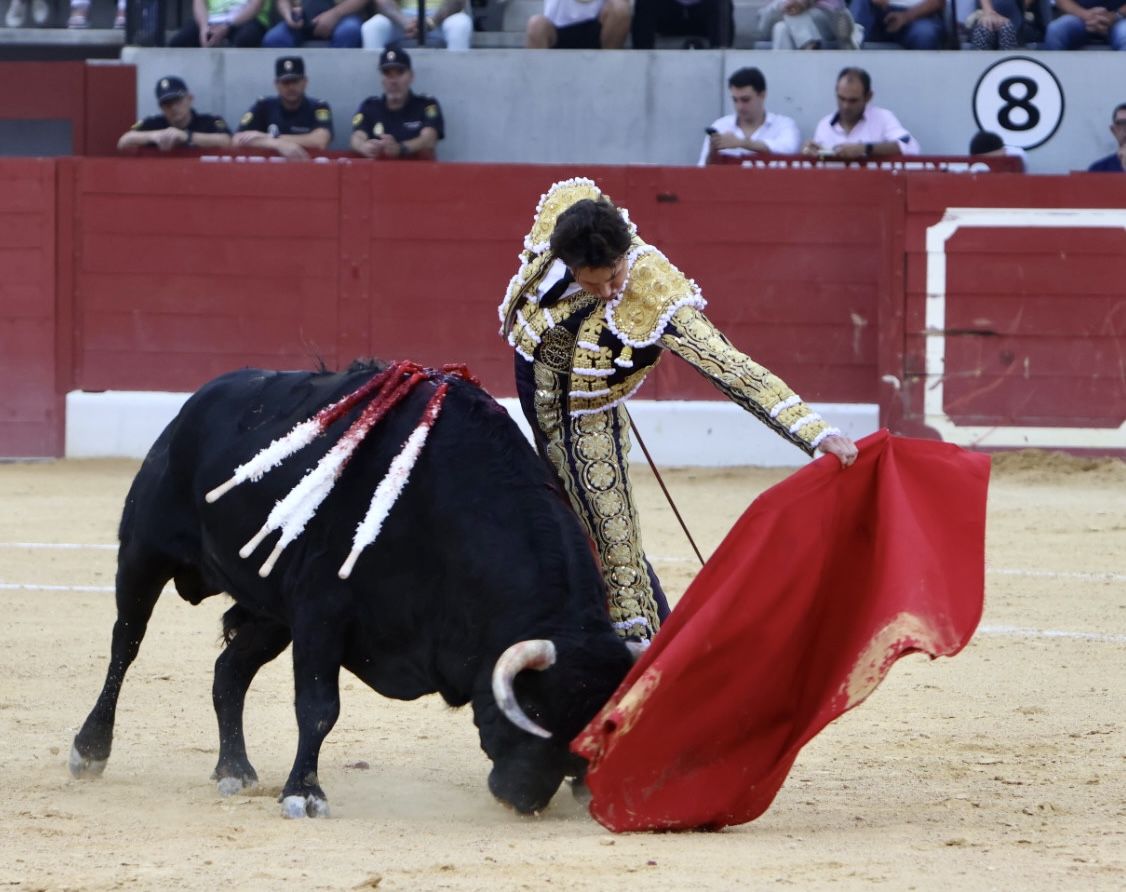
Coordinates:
(826, 580)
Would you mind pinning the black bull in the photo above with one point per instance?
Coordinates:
(479, 553)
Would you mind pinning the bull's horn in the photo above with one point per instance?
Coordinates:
(538, 653)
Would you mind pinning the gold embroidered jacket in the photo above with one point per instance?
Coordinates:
(618, 342)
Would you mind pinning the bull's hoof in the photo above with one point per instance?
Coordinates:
(231, 786)
(304, 807)
(581, 792)
(83, 766)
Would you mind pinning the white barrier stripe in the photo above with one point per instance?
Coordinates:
(1020, 632)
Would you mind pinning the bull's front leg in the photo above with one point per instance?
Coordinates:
(316, 675)
(252, 641)
(140, 578)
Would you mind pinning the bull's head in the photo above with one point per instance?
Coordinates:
(539, 712)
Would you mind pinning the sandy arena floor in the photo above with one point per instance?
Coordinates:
(1004, 768)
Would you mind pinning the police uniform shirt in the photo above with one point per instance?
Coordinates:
(310, 115)
(198, 123)
(375, 119)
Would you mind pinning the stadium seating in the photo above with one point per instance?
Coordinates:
(504, 21)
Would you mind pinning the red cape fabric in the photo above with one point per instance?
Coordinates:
(826, 580)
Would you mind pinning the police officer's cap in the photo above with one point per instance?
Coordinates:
(289, 68)
(393, 57)
(169, 88)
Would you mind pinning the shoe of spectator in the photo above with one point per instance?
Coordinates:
(850, 35)
(40, 12)
(79, 14)
(119, 16)
(697, 43)
(17, 14)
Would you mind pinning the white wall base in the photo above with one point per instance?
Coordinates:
(124, 424)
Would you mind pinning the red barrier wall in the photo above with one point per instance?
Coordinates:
(170, 271)
(1035, 311)
(186, 269)
(31, 407)
(100, 101)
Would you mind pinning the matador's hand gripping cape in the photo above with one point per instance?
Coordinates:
(827, 579)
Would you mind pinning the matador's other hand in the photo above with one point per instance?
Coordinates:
(840, 446)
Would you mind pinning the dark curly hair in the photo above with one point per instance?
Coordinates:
(590, 233)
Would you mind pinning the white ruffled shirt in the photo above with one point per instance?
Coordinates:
(777, 131)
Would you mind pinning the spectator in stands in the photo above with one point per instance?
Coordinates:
(17, 13)
(752, 129)
(913, 24)
(1116, 160)
(337, 22)
(213, 23)
(1086, 21)
(579, 25)
(80, 14)
(705, 23)
(397, 20)
(400, 123)
(996, 25)
(859, 129)
(986, 142)
(178, 125)
(809, 25)
(289, 123)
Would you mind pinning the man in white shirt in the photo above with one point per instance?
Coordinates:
(579, 25)
(859, 129)
(752, 129)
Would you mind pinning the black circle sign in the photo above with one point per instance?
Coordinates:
(1020, 100)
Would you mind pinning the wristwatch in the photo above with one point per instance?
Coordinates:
(188, 141)
(868, 148)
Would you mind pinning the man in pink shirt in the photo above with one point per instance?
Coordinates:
(859, 129)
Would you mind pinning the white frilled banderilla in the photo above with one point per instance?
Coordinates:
(385, 390)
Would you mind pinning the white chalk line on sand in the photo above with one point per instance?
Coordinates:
(995, 631)
(1020, 632)
(41, 587)
(1001, 631)
(58, 545)
(1096, 576)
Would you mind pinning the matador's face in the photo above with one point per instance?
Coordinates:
(605, 282)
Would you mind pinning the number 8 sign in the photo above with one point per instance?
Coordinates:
(1020, 100)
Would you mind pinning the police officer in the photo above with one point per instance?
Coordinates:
(400, 123)
(178, 125)
(291, 122)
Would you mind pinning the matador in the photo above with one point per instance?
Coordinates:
(590, 312)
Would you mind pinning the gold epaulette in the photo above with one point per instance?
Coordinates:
(553, 203)
(536, 258)
(654, 290)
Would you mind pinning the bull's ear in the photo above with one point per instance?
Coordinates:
(539, 654)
